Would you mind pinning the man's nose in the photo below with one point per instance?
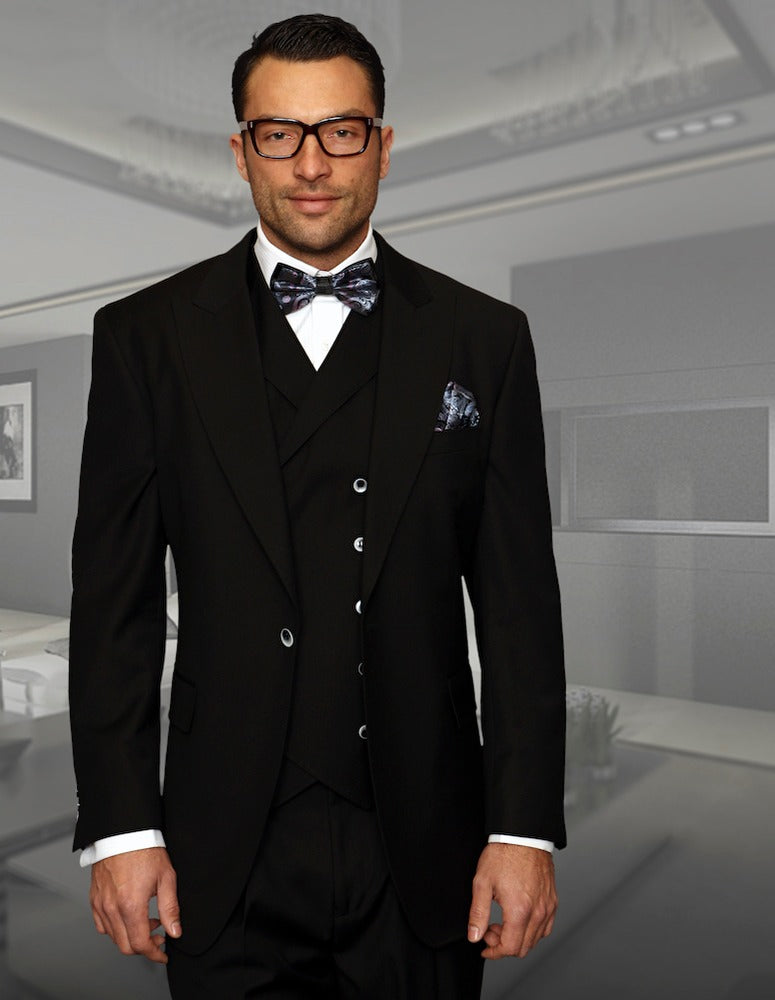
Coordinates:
(311, 162)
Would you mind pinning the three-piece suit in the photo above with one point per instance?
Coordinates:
(321, 524)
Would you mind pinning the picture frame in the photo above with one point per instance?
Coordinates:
(18, 445)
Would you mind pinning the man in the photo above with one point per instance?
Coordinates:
(327, 451)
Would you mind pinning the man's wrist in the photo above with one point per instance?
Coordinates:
(122, 843)
(505, 838)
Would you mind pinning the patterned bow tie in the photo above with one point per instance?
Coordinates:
(356, 286)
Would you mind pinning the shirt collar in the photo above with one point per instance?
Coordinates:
(269, 256)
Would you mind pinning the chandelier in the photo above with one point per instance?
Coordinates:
(619, 59)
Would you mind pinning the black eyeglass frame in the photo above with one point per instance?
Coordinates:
(249, 127)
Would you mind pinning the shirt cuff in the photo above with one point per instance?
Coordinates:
(122, 843)
(504, 838)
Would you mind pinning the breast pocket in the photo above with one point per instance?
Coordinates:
(461, 439)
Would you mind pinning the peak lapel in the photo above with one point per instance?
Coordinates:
(414, 362)
(220, 353)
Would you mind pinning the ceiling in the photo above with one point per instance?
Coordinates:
(513, 118)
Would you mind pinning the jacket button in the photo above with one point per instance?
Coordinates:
(362, 733)
(360, 669)
(286, 637)
(358, 544)
(360, 485)
(358, 606)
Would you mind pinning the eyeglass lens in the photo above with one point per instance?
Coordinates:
(342, 137)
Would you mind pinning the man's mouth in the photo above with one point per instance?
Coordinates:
(313, 203)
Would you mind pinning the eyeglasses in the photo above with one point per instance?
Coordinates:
(282, 138)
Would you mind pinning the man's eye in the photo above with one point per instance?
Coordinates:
(278, 136)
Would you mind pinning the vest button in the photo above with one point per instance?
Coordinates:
(360, 669)
(358, 544)
(362, 733)
(358, 606)
(360, 485)
(286, 637)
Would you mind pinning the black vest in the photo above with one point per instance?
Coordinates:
(322, 424)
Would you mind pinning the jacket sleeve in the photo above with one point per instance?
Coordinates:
(515, 596)
(118, 614)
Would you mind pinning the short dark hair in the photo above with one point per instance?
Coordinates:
(304, 38)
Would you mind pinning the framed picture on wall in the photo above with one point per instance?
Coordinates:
(17, 441)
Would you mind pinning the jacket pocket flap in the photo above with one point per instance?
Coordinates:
(182, 703)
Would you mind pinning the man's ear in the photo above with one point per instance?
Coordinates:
(237, 143)
(384, 156)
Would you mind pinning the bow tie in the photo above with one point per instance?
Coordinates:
(356, 286)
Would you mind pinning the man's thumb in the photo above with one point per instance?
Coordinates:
(169, 909)
(479, 914)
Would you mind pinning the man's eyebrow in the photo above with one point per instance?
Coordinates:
(348, 113)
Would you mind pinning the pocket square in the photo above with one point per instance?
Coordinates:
(458, 409)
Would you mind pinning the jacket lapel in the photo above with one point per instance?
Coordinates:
(414, 363)
(221, 357)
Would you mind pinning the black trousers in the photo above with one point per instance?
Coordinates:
(320, 918)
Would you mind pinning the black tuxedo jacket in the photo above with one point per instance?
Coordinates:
(179, 451)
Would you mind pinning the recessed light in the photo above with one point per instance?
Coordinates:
(666, 134)
(695, 126)
(724, 119)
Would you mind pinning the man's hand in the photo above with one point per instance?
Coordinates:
(121, 888)
(521, 880)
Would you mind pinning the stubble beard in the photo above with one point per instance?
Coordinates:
(328, 236)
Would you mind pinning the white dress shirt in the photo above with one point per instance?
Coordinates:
(317, 327)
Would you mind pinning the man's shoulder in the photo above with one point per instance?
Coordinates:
(185, 284)
(468, 298)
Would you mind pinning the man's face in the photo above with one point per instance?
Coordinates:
(314, 206)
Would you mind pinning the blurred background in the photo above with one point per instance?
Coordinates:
(607, 165)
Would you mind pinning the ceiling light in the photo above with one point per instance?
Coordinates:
(695, 126)
(724, 119)
(666, 134)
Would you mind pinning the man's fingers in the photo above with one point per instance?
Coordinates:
(137, 938)
(169, 909)
(479, 913)
(99, 923)
(492, 935)
(520, 933)
(515, 927)
(115, 926)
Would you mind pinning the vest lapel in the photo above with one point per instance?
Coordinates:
(220, 354)
(349, 365)
(414, 363)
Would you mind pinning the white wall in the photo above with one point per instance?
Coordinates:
(679, 321)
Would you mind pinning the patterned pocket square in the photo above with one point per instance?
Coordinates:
(458, 409)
